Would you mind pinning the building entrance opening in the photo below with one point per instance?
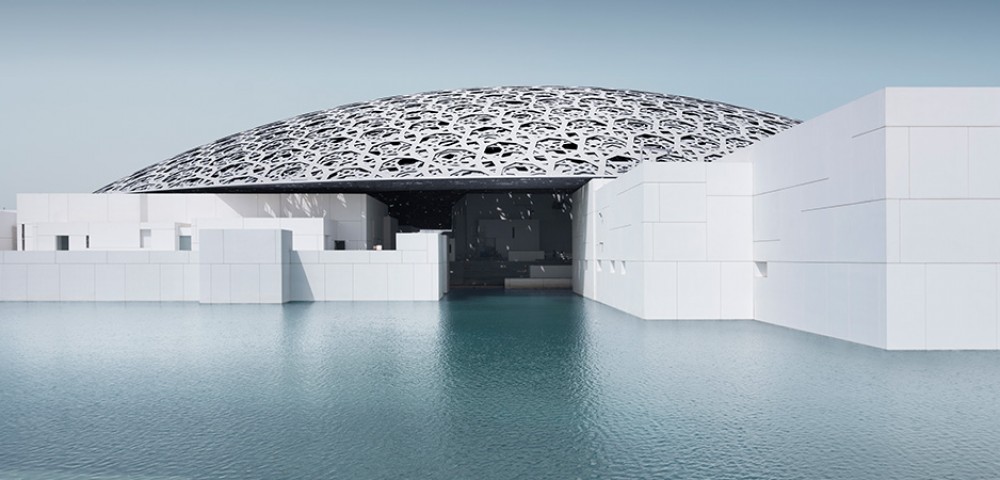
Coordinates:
(513, 239)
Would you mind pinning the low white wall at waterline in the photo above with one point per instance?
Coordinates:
(248, 268)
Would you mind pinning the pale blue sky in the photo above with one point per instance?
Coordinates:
(93, 90)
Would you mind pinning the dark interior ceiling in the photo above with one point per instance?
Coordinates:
(432, 209)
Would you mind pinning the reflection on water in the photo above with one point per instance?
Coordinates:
(488, 385)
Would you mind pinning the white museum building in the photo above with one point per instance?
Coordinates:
(876, 223)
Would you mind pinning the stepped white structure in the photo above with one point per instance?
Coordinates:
(876, 223)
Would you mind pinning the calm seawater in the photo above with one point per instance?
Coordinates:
(478, 386)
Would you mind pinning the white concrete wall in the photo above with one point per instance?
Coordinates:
(416, 270)
(8, 230)
(244, 266)
(668, 241)
(879, 222)
(99, 276)
(307, 233)
(235, 266)
(113, 221)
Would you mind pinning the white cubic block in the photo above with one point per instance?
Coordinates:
(698, 290)
(351, 231)
(729, 178)
(142, 283)
(244, 283)
(736, 281)
(950, 231)
(109, 283)
(426, 282)
(124, 208)
(166, 207)
(984, 162)
(679, 241)
(272, 280)
(400, 277)
(906, 315)
(88, 208)
(659, 285)
(942, 106)
(77, 283)
(729, 228)
(410, 241)
(43, 282)
(58, 207)
(251, 246)
(682, 202)
(939, 162)
(339, 282)
(371, 282)
(32, 207)
(961, 306)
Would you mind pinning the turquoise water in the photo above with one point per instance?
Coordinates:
(477, 386)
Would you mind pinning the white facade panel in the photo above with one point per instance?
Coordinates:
(43, 283)
(109, 283)
(699, 291)
(961, 306)
(906, 312)
(984, 162)
(245, 283)
(939, 162)
(340, 282)
(13, 282)
(730, 224)
(77, 282)
(371, 282)
(736, 290)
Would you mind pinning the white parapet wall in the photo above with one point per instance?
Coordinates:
(416, 270)
(244, 266)
(99, 276)
(879, 222)
(668, 241)
(156, 221)
(235, 266)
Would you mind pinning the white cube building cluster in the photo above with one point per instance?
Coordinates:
(876, 223)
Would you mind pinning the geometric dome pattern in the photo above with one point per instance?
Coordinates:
(498, 132)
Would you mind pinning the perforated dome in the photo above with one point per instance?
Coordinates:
(461, 136)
